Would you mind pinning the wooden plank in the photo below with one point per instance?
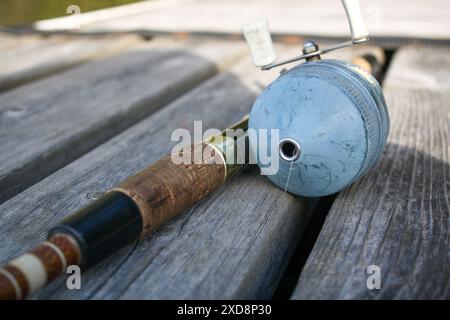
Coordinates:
(10, 40)
(63, 23)
(384, 18)
(397, 217)
(35, 57)
(233, 245)
(49, 123)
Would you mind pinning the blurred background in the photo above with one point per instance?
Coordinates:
(24, 12)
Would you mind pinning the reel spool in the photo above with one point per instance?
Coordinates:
(331, 116)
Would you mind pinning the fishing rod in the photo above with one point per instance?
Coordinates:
(332, 123)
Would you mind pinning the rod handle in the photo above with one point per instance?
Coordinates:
(167, 188)
(34, 269)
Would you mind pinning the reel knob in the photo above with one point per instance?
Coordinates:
(332, 122)
(259, 40)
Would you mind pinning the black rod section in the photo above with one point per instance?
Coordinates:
(103, 227)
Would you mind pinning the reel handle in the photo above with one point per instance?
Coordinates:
(356, 21)
(258, 38)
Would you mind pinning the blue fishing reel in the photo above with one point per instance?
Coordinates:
(330, 117)
(332, 122)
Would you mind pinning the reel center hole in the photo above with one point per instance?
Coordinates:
(289, 149)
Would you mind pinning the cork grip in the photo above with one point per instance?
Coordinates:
(165, 188)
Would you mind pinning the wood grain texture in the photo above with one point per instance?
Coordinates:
(384, 18)
(10, 41)
(26, 58)
(48, 123)
(397, 217)
(235, 244)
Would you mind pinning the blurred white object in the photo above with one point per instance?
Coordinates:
(258, 38)
(356, 21)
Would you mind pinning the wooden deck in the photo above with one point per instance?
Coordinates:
(79, 113)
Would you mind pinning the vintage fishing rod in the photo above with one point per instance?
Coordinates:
(333, 125)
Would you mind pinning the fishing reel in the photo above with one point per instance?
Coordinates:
(330, 116)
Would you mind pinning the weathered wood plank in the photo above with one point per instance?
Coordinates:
(233, 245)
(115, 12)
(35, 57)
(49, 123)
(384, 18)
(9, 40)
(397, 217)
